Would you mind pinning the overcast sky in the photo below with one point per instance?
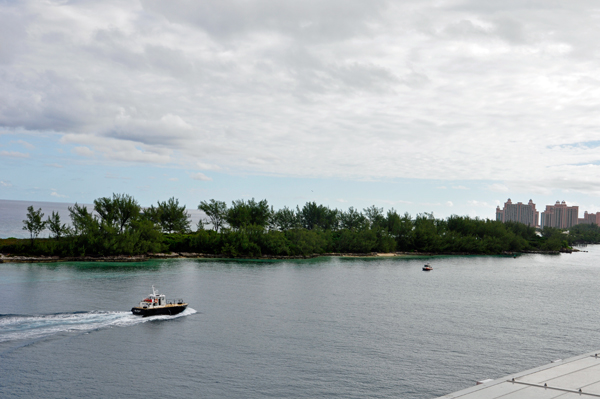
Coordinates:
(444, 106)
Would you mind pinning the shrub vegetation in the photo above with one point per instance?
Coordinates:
(118, 225)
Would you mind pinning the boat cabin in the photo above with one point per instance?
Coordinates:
(153, 300)
(158, 300)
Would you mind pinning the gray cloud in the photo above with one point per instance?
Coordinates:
(352, 89)
(309, 20)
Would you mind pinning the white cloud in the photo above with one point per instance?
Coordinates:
(173, 179)
(341, 200)
(54, 165)
(57, 195)
(449, 203)
(200, 176)
(411, 89)
(118, 150)
(497, 187)
(25, 144)
(459, 187)
(482, 204)
(83, 151)
(207, 166)
(5, 184)
(13, 154)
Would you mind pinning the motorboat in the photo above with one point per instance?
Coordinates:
(158, 304)
(427, 267)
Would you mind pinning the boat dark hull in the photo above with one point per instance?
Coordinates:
(168, 310)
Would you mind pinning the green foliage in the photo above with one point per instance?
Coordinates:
(244, 214)
(276, 243)
(352, 219)
(285, 219)
(117, 212)
(216, 212)
(171, 217)
(584, 234)
(401, 229)
(318, 216)
(34, 223)
(82, 220)
(252, 228)
(553, 239)
(56, 228)
(361, 241)
(375, 216)
(306, 242)
(119, 229)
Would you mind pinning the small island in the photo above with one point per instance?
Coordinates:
(119, 229)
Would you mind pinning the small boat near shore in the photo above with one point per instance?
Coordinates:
(427, 268)
(158, 304)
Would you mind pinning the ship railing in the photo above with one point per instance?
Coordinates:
(178, 301)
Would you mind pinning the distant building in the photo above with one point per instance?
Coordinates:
(560, 216)
(590, 218)
(519, 212)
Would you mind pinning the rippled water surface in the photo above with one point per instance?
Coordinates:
(339, 328)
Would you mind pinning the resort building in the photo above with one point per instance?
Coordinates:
(560, 216)
(590, 218)
(519, 212)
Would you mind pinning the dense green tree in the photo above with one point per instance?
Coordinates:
(152, 214)
(216, 212)
(243, 214)
(285, 219)
(54, 225)
(82, 220)
(402, 229)
(374, 215)
(319, 216)
(242, 242)
(584, 234)
(260, 212)
(117, 227)
(361, 241)
(171, 217)
(555, 239)
(306, 242)
(275, 243)
(352, 219)
(106, 209)
(34, 223)
(425, 233)
(117, 212)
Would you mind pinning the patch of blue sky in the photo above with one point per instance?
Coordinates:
(585, 163)
(584, 144)
(42, 168)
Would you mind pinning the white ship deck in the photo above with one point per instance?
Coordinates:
(577, 377)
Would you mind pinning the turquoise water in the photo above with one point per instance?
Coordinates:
(343, 328)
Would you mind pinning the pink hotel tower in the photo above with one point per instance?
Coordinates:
(558, 215)
(519, 212)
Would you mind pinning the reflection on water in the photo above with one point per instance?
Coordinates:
(326, 327)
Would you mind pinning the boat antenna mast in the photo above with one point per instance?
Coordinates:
(153, 291)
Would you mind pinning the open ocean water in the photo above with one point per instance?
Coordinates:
(328, 327)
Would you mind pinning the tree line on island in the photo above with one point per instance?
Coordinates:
(118, 225)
